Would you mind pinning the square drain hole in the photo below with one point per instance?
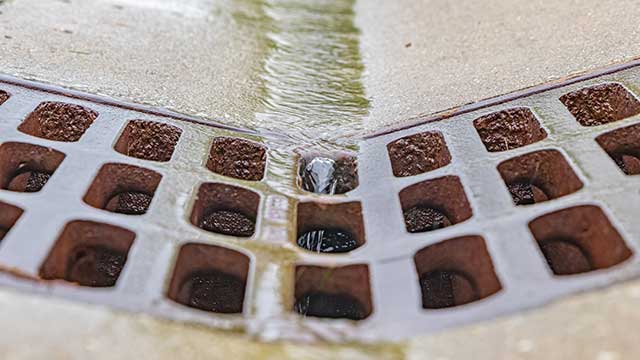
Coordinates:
(539, 176)
(434, 204)
(124, 189)
(333, 292)
(226, 209)
(623, 146)
(601, 104)
(148, 140)
(88, 253)
(4, 96)
(58, 121)
(328, 174)
(26, 167)
(419, 153)
(9, 214)
(330, 228)
(237, 158)
(455, 272)
(578, 240)
(210, 278)
(509, 129)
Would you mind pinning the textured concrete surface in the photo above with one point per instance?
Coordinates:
(422, 57)
(192, 56)
(597, 326)
(43, 328)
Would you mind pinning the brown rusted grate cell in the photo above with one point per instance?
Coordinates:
(237, 158)
(509, 129)
(58, 121)
(9, 214)
(419, 153)
(578, 240)
(226, 230)
(148, 140)
(226, 209)
(4, 96)
(122, 188)
(623, 146)
(89, 254)
(434, 204)
(538, 176)
(330, 227)
(333, 292)
(210, 278)
(455, 272)
(26, 167)
(601, 104)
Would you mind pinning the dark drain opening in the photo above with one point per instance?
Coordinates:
(417, 154)
(341, 292)
(124, 189)
(330, 228)
(455, 272)
(509, 129)
(210, 278)
(25, 167)
(89, 254)
(601, 104)
(237, 158)
(9, 214)
(538, 176)
(148, 140)
(434, 204)
(623, 146)
(4, 96)
(226, 209)
(58, 121)
(331, 174)
(578, 240)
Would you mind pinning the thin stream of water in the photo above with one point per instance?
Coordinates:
(312, 96)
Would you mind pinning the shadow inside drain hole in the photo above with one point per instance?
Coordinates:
(333, 306)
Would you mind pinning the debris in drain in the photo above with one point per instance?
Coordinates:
(228, 222)
(629, 164)
(95, 266)
(421, 219)
(524, 193)
(328, 241)
(58, 121)
(215, 291)
(442, 289)
(565, 258)
(334, 306)
(129, 203)
(28, 181)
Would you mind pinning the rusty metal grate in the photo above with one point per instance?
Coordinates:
(496, 209)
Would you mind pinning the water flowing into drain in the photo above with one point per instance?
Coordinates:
(312, 96)
(318, 176)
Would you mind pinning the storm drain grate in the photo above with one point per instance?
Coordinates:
(500, 208)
